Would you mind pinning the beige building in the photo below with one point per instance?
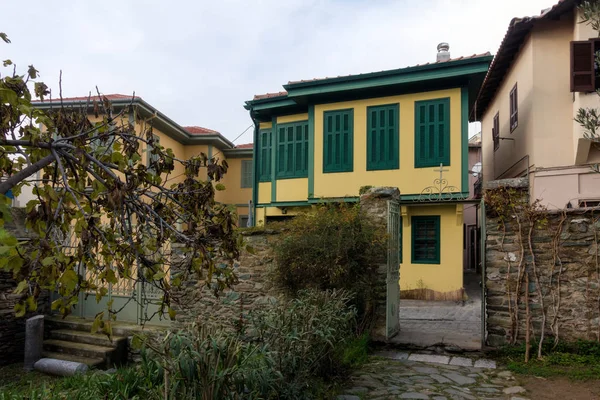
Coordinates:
(542, 75)
(186, 142)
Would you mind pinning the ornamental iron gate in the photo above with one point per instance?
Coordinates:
(392, 320)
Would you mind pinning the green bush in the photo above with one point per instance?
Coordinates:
(333, 247)
(211, 365)
(305, 336)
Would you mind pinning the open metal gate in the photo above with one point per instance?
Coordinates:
(393, 270)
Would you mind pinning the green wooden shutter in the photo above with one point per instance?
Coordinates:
(246, 174)
(382, 137)
(264, 162)
(432, 133)
(292, 150)
(338, 132)
(425, 239)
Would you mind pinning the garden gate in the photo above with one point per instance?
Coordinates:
(392, 320)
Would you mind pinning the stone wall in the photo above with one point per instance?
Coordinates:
(374, 205)
(565, 251)
(253, 290)
(12, 329)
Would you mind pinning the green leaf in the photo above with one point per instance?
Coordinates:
(159, 275)
(136, 342)
(48, 261)
(172, 314)
(220, 187)
(21, 287)
(20, 310)
(98, 323)
(31, 303)
(6, 63)
(56, 304)
(4, 37)
(32, 72)
(250, 249)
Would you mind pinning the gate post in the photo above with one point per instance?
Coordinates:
(375, 205)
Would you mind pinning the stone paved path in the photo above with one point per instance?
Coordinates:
(400, 378)
(428, 323)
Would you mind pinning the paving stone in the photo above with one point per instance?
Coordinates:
(416, 396)
(486, 390)
(518, 398)
(460, 379)
(461, 361)
(484, 363)
(359, 389)
(347, 397)
(460, 394)
(426, 370)
(514, 390)
(440, 378)
(429, 358)
(392, 355)
(505, 374)
(440, 398)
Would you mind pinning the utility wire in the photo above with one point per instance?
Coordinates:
(238, 136)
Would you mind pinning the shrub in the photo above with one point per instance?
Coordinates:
(307, 336)
(211, 365)
(333, 247)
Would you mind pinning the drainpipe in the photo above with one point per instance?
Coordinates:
(252, 210)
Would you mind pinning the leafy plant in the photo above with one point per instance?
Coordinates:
(306, 336)
(333, 247)
(100, 207)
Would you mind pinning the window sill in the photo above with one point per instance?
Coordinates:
(331, 171)
(281, 178)
(384, 168)
(424, 262)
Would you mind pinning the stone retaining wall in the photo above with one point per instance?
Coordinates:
(254, 289)
(12, 329)
(568, 268)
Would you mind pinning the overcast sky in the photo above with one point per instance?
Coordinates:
(198, 61)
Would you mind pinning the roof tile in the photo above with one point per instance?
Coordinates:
(199, 130)
(114, 96)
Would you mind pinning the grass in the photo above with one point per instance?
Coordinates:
(126, 383)
(577, 361)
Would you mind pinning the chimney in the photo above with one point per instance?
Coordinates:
(443, 53)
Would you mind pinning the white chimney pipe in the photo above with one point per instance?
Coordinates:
(443, 53)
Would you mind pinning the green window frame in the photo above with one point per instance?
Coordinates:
(400, 228)
(432, 133)
(383, 133)
(246, 173)
(338, 138)
(292, 150)
(425, 239)
(265, 143)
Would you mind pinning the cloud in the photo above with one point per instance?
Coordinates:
(198, 61)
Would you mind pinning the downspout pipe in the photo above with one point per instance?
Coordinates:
(255, 177)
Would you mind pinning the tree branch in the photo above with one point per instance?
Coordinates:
(25, 173)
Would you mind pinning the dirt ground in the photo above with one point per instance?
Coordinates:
(560, 388)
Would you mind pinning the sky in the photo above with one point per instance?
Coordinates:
(199, 61)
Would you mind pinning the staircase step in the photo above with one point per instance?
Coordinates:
(90, 362)
(80, 349)
(97, 339)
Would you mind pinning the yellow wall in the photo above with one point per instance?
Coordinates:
(264, 192)
(292, 118)
(233, 193)
(292, 189)
(447, 276)
(408, 179)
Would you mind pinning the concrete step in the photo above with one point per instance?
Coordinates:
(107, 354)
(90, 362)
(97, 339)
(119, 328)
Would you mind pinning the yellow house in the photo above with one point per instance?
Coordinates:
(186, 142)
(543, 73)
(324, 139)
